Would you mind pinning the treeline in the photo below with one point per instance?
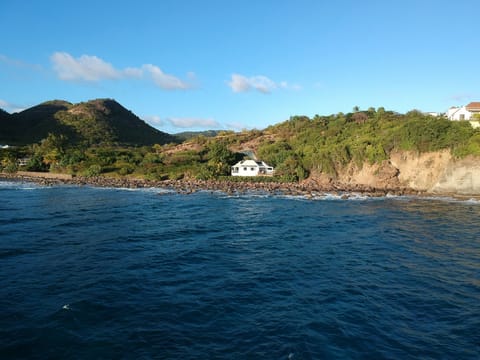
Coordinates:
(158, 162)
(296, 147)
(326, 143)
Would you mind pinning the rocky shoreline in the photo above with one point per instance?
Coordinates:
(306, 189)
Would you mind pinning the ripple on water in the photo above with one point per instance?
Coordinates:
(98, 273)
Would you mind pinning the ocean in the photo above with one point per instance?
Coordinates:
(103, 273)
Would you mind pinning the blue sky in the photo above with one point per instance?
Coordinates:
(240, 64)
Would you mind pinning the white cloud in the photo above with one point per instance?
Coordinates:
(193, 122)
(93, 69)
(241, 83)
(165, 81)
(84, 68)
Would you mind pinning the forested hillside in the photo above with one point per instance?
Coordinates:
(326, 143)
(101, 121)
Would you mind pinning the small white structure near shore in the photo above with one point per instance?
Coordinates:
(252, 168)
(466, 113)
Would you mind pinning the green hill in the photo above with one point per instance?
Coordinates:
(187, 135)
(101, 121)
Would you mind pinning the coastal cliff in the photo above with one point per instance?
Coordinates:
(432, 172)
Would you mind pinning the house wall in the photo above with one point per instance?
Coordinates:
(251, 168)
(247, 172)
(456, 114)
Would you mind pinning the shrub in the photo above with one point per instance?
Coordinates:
(93, 170)
(126, 170)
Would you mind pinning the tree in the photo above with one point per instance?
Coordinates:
(52, 149)
(220, 158)
(35, 163)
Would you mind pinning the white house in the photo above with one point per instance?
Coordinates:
(23, 161)
(465, 113)
(251, 168)
(458, 113)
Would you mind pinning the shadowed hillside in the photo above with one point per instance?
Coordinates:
(102, 121)
(33, 124)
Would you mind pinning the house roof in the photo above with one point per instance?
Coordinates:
(473, 106)
(253, 163)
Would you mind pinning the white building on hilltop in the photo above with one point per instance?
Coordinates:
(252, 168)
(465, 113)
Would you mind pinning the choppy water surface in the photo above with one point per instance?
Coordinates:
(109, 273)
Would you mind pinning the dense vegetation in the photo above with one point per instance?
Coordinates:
(296, 147)
(188, 135)
(326, 143)
(91, 123)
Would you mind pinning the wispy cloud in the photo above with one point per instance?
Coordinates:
(461, 97)
(165, 81)
(154, 120)
(237, 126)
(19, 63)
(10, 107)
(182, 122)
(93, 69)
(193, 123)
(241, 83)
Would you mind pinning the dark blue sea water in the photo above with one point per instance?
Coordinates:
(90, 273)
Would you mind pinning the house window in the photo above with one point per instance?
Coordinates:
(244, 169)
(462, 116)
(253, 169)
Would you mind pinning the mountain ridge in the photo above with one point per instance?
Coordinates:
(92, 122)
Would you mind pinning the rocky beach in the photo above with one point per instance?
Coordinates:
(307, 188)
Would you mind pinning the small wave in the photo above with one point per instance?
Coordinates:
(472, 201)
(341, 196)
(447, 199)
(155, 190)
(365, 197)
(20, 185)
(356, 197)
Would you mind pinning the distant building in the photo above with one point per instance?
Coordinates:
(23, 161)
(252, 168)
(465, 113)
